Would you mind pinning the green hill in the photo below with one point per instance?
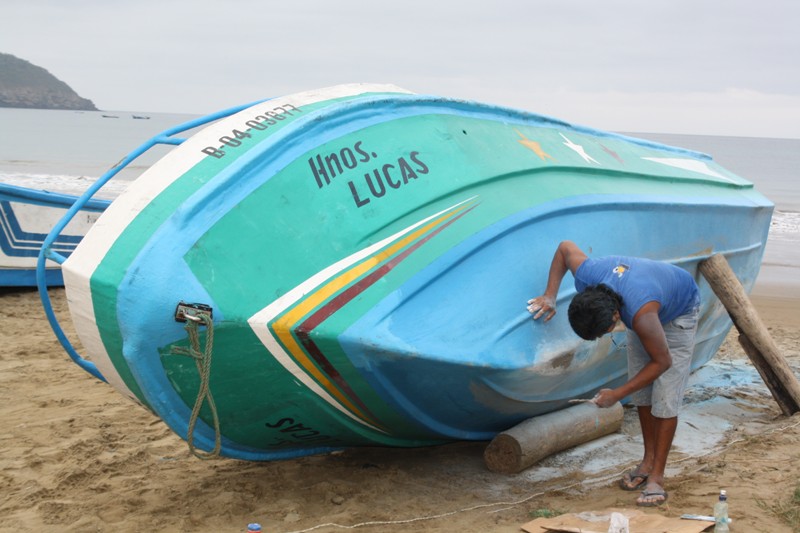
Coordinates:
(23, 84)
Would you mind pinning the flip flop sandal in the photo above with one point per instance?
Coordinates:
(648, 494)
(626, 482)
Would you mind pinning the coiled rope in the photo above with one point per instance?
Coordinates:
(202, 360)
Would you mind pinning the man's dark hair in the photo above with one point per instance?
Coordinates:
(591, 312)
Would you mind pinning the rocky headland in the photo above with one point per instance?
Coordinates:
(25, 85)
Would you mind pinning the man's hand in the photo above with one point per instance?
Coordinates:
(568, 258)
(605, 398)
(542, 306)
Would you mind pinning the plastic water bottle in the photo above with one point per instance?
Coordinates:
(721, 514)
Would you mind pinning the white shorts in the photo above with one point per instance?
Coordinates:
(665, 394)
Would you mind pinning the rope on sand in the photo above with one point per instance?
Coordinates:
(510, 504)
(202, 360)
(432, 517)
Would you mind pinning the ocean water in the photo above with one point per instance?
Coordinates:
(73, 148)
(68, 150)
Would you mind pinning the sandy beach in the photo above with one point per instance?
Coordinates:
(77, 456)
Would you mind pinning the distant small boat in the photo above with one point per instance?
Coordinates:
(110, 116)
(26, 217)
(364, 255)
(141, 117)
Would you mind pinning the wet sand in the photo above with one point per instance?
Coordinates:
(77, 456)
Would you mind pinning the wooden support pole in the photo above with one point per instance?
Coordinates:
(788, 407)
(516, 449)
(754, 336)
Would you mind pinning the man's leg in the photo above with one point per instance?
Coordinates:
(661, 418)
(637, 359)
(657, 434)
(647, 423)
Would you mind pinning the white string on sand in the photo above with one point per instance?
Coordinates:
(432, 517)
(511, 504)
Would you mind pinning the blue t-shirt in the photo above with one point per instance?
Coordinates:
(640, 281)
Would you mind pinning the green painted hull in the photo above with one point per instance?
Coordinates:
(368, 253)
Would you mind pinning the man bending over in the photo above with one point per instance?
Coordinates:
(659, 305)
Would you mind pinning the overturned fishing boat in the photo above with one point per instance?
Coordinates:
(350, 266)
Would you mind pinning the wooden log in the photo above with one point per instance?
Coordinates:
(788, 407)
(520, 447)
(758, 343)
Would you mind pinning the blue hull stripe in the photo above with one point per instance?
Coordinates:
(15, 242)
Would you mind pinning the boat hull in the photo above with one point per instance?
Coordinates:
(368, 253)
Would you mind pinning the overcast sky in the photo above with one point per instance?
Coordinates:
(725, 67)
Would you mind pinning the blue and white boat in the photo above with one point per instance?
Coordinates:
(28, 211)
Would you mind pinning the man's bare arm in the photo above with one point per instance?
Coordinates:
(567, 257)
(648, 328)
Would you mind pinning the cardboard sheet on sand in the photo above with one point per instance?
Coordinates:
(598, 522)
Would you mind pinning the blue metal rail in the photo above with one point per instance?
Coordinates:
(47, 252)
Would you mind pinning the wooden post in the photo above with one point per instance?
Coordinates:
(754, 337)
(516, 449)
